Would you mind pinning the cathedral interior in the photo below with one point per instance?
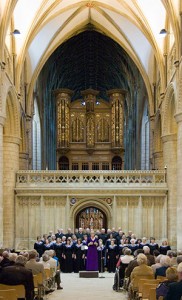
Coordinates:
(90, 118)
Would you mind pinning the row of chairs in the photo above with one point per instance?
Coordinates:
(41, 285)
(144, 287)
(12, 292)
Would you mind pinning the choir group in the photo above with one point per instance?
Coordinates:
(71, 248)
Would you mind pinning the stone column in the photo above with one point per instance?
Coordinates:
(2, 119)
(11, 166)
(169, 154)
(178, 118)
(63, 98)
(158, 160)
(117, 97)
(90, 100)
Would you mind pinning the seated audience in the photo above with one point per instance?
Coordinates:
(150, 257)
(172, 276)
(126, 258)
(18, 274)
(45, 261)
(54, 266)
(173, 257)
(157, 263)
(12, 258)
(175, 289)
(141, 269)
(5, 262)
(165, 263)
(179, 259)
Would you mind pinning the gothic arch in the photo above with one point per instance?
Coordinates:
(84, 203)
(169, 123)
(12, 123)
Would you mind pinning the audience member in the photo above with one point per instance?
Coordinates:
(150, 257)
(165, 263)
(172, 276)
(175, 289)
(54, 266)
(5, 262)
(141, 269)
(18, 274)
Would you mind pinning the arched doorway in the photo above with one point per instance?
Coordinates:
(117, 163)
(91, 217)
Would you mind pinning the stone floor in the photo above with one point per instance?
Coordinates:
(78, 288)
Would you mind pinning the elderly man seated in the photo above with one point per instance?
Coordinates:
(18, 274)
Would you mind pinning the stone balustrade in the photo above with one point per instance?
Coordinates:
(119, 179)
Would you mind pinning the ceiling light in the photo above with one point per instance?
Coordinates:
(163, 32)
(16, 31)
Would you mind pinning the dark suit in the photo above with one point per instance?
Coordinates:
(18, 274)
(174, 291)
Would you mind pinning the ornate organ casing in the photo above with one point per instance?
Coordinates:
(90, 133)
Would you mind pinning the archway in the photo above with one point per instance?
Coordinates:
(91, 217)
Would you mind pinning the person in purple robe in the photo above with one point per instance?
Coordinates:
(92, 254)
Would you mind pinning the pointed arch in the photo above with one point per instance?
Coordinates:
(169, 123)
(12, 123)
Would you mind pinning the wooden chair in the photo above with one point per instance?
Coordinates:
(39, 288)
(136, 282)
(152, 295)
(161, 278)
(50, 279)
(8, 294)
(146, 290)
(142, 281)
(19, 289)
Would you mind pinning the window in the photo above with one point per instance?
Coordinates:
(36, 138)
(74, 166)
(105, 166)
(116, 163)
(63, 163)
(85, 166)
(95, 166)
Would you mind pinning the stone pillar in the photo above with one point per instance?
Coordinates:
(178, 118)
(170, 160)
(11, 166)
(117, 97)
(63, 98)
(24, 161)
(90, 100)
(2, 119)
(158, 160)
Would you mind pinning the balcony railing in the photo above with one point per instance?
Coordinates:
(119, 179)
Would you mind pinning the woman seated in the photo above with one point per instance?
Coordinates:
(172, 276)
(165, 263)
(141, 270)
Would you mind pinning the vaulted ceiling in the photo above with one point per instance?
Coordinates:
(47, 24)
(90, 60)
